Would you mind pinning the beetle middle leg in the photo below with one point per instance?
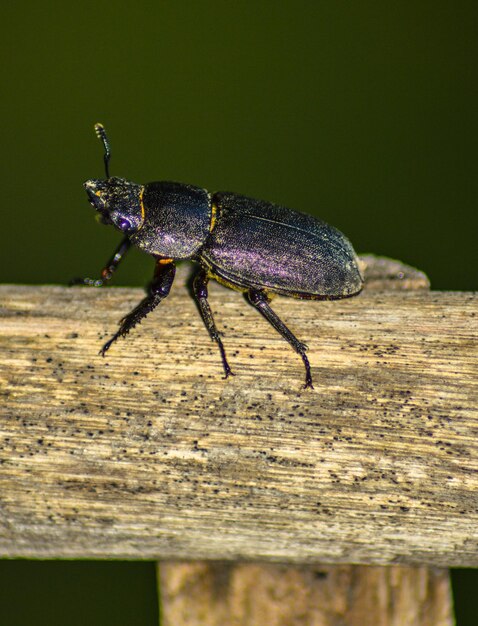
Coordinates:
(109, 269)
(200, 293)
(260, 301)
(159, 289)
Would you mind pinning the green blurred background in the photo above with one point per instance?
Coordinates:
(361, 112)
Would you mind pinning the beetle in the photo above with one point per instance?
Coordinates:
(253, 246)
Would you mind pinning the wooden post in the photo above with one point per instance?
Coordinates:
(149, 453)
(246, 594)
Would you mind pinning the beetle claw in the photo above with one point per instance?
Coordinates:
(90, 282)
(107, 345)
(228, 372)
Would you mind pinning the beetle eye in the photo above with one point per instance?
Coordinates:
(124, 224)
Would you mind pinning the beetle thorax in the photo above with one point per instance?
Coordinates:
(177, 218)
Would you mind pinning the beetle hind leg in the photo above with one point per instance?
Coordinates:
(259, 300)
(200, 293)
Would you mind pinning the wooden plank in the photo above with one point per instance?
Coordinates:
(149, 453)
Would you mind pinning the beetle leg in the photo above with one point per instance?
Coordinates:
(260, 301)
(109, 269)
(159, 289)
(200, 293)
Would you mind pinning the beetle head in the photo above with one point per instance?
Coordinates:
(118, 201)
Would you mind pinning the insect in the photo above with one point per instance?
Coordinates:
(249, 245)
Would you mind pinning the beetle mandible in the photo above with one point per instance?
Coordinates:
(249, 245)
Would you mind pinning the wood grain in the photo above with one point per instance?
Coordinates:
(149, 453)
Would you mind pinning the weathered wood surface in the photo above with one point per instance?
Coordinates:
(248, 594)
(210, 593)
(149, 453)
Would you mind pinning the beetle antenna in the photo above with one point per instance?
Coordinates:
(101, 134)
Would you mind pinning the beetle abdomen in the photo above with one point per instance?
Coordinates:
(263, 245)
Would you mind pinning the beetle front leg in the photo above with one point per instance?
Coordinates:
(200, 293)
(260, 301)
(109, 269)
(159, 289)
